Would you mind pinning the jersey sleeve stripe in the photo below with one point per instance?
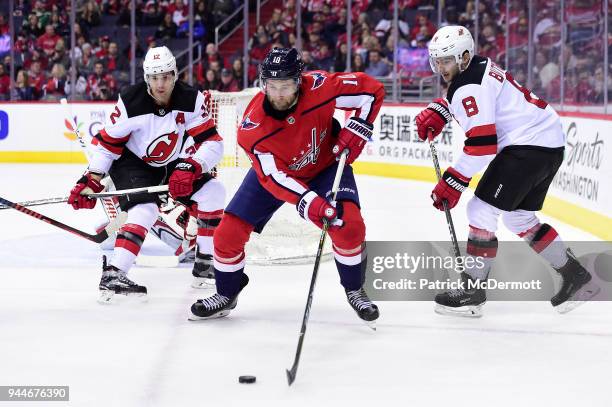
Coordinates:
(480, 150)
(114, 140)
(268, 167)
(484, 130)
(204, 135)
(201, 128)
(113, 145)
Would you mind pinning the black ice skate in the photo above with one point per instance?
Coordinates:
(463, 302)
(203, 271)
(114, 281)
(216, 306)
(576, 286)
(365, 309)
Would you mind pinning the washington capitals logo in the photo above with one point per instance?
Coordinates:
(319, 78)
(247, 124)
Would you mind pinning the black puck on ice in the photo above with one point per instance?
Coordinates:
(246, 379)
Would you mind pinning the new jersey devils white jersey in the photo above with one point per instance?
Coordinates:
(158, 135)
(495, 112)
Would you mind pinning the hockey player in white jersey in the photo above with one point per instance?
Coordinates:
(519, 139)
(161, 131)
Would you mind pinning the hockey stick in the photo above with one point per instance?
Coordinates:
(293, 371)
(97, 238)
(108, 194)
(36, 202)
(157, 189)
(449, 219)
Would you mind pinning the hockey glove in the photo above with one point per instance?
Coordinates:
(87, 184)
(434, 117)
(353, 137)
(184, 175)
(449, 188)
(316, 209)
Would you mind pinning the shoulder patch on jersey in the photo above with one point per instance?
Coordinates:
(472, 75)
(318, 79)
(248, 124)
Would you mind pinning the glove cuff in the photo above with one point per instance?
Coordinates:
(191, 165)
(455, 179)
(439, 106)
(360, 128)
(304, 203)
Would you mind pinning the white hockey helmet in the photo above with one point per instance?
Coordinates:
(452, 40)
(159, 60)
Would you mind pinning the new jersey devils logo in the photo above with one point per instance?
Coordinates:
(161, 149)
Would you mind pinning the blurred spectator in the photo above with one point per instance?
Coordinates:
(4, 25)
(90, 14)
(5, 45)
(221, 9)
(113, 61)
(228, 82)
(41, 12)
(101, 86)
(205, 15)
(309, 63)
(216, 67)
(260, 49)
(102, 50)
(48, 40)
(60, 56)
(167, 28)
(323, 57)
(81, 86)
(340, 58)
(86, 63)
(152, 13)
(32, 26)
(211, 82)
(376, 66)
(598, 86)
(357, 64)
(212, 55)
(23, 90)
(5, 84)
(54, 88)
(37, 76)
(422, 22)
(179, 12)
(238, 72)
(275, 23)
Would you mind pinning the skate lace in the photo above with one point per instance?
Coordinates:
(359, 299)
(216, 301)
(455, 293)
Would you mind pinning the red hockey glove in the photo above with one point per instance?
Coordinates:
(434, 117)
(316, 209)
(184, 175)
(353, 137)
(449, 188)
(87, 184)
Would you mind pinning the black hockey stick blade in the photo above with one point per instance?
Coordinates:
(97, 238)
(291, 375)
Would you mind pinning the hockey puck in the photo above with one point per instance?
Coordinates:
(246, 379)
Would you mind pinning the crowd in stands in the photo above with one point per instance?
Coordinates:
(42, 55)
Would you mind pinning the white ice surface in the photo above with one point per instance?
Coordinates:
(53, 332)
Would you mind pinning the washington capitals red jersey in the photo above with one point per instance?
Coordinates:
(287, 153)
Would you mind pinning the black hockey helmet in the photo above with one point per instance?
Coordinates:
(281, 63)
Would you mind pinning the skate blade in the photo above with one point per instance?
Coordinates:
(581, 296)
(203, 283)
(370, 324)
(110, 297)
(469, 311)
(194, 317)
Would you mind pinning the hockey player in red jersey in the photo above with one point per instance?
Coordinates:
(289, 133)
(519, 139)
(160, 131)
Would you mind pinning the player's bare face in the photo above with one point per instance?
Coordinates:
(281, 93)
(161, 86)
(447, 67)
